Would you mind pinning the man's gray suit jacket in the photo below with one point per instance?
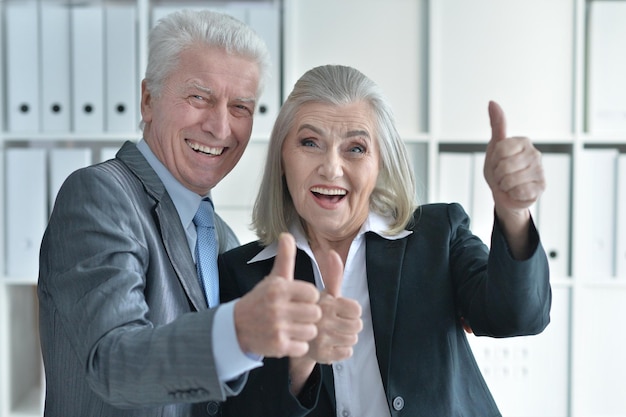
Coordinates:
(125, 329)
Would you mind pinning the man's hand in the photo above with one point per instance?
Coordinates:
(279, 316)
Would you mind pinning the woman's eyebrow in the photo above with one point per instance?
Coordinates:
(353, 133)
(310, 127)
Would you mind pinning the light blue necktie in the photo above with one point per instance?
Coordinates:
(206, 252)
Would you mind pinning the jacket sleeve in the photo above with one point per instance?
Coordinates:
(95, 259)
(266, 392)
(498, 296)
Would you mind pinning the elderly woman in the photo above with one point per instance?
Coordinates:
(338, 180)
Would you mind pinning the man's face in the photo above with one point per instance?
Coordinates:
(200, 124)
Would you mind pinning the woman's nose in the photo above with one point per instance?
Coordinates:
(331, 167)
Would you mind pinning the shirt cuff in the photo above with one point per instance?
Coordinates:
(230, 360)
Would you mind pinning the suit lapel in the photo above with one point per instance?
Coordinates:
(303, 268)
(175, 243)
(384, 259)
(172, 232)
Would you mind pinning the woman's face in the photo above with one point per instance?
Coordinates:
(331, 163)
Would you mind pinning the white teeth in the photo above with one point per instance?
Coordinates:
(328, 191)
(205, 149)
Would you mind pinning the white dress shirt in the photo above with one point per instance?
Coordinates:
(230, 361)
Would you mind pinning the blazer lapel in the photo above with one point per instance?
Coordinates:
(175, 243)
(172, 232)
(384, 259)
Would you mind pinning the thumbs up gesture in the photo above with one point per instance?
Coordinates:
(512, 167)
(338, 329)
(278, 317)
(514, 173)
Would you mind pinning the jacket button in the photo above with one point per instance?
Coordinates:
(398, 403)
(212, 408)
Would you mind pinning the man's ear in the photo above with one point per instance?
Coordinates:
(146, 103)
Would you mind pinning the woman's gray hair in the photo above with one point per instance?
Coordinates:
(184, 29)
(394, 194)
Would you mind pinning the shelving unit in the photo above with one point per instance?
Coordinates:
(439, 62)
(21, 370)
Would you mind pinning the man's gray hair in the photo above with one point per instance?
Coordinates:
(184, 29)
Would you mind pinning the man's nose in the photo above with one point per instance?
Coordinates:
(218, 122)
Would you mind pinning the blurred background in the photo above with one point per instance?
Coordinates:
(70, 73)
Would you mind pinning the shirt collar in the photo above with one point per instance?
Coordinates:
(375, 223)
(185, 200)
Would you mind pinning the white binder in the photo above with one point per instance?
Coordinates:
(239, 220)
(607, 66)
(456, 173)
(265, 20)
(55, 67)
(122, 92)
(499, 60)
(599, 348)
(620, 247)
(553, 212)
(239, 11)
(528, 375)
(108, 152)
(482, 201)
(22, 66)
(26, 210)
(239, 188)
(417, 154)
(88, 67)
(596, 217)
(62, 163)
(234, 196)
(162, 10)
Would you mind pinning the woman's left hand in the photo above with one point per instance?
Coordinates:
(514, 173)
(512, 167)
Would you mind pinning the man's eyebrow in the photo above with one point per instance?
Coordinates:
(209, 91)
(202, 88)
(246, 99)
